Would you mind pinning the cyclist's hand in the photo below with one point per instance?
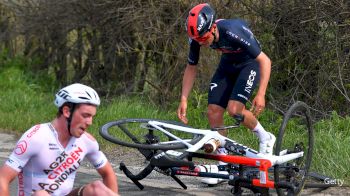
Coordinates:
(181, 112)
(258, 105)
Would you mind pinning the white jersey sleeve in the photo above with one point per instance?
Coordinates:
(96, 157)
(26, 147)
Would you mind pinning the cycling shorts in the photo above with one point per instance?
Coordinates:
(233, 82)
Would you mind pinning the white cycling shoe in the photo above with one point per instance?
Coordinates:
(212, 169)
(212, 181)
(266, 147)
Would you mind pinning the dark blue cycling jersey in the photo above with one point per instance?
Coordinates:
(236, 41)
(238, 73)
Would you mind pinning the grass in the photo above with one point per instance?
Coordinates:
(332, 147)
(24, 103)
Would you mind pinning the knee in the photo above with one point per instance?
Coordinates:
(94, 188)
(214, 111)
(237, 112)
(233, 111)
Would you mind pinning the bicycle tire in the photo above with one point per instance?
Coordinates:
(106, 128)
(299, 167)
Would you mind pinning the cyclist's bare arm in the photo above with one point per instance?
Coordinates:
(7, 175)
(265, 71)
(109, 177)
(187, 84)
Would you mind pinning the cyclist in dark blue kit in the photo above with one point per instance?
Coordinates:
(242, 66)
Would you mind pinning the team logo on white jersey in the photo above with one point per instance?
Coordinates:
(21, 147)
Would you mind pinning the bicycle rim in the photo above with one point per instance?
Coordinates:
(295, 135)
(137, 133)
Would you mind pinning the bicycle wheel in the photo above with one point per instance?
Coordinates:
(137, 133)
(295, 135)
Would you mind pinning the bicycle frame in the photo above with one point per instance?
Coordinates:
(250, 169)
(210, 134)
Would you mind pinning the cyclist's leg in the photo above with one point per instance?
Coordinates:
(218, 96)
(246, 82)
(238, 108)
(216, 116)
(266, 139)
(94, 188)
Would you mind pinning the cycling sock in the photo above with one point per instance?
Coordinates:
(261, 132)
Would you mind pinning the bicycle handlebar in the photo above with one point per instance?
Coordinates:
(135, 178)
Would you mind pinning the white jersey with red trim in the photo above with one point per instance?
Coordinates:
(44, 164)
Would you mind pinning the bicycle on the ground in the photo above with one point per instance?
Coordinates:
(171, 148)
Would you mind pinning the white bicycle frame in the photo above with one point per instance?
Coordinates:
(210, 134)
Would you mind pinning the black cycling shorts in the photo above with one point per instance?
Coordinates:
(233, 82)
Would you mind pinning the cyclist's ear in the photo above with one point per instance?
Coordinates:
(66, 111)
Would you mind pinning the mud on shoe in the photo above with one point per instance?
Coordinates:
(266, 146)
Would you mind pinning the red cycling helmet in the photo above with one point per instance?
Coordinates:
(200, 20)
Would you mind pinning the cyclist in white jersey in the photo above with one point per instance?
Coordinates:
(48, 155)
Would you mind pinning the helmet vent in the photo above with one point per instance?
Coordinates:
(192, 30)
(204, 16)
(88, 94)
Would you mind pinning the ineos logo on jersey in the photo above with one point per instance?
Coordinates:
(213, 85)
(250, 82)
(21, 147)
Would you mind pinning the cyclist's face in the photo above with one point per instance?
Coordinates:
(82, 119)
(207, 39)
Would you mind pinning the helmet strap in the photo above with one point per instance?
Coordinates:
(214, 32)
(69, 119)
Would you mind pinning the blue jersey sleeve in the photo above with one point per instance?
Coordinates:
(193, 56)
